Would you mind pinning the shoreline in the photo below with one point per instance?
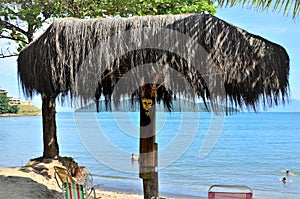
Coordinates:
(135, 186)
(20, 114)
(36, 180)
(139, 193)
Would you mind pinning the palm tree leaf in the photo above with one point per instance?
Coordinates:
(276, 5)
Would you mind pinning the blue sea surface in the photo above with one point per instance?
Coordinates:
(196, 150)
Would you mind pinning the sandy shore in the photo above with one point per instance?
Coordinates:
(36, 180)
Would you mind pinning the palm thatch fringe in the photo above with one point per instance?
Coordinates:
(185, 56)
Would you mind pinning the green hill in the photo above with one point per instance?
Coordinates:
(25, 110)
(28, 110)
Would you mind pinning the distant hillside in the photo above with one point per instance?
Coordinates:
(25, 107)
(178, 106)
(292, 106)
(29, 110)
(25, 110)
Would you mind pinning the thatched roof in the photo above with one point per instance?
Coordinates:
(185, 55)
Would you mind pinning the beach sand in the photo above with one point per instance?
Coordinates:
(36, 180)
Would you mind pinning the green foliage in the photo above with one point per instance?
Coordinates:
(20, 19)
(13, 109)
(91, 8)
(4, 108)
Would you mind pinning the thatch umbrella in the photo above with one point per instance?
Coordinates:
(148, 59)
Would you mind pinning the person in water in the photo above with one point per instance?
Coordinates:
(285, 180)
(134, 158)
(289, 173)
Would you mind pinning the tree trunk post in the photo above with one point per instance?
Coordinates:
(51, 149)
(148, 152)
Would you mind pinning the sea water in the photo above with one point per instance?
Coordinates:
(196, 150)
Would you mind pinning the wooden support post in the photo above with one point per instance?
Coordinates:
(51, 149)
(148, 153)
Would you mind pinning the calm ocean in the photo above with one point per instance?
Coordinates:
(196, 150)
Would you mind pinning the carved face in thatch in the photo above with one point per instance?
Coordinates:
(147, 104)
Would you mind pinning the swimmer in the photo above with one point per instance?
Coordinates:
(285, 180)
(134, 158)
(289, 173)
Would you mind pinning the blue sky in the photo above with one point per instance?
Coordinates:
(275, 27)
(270, 25)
